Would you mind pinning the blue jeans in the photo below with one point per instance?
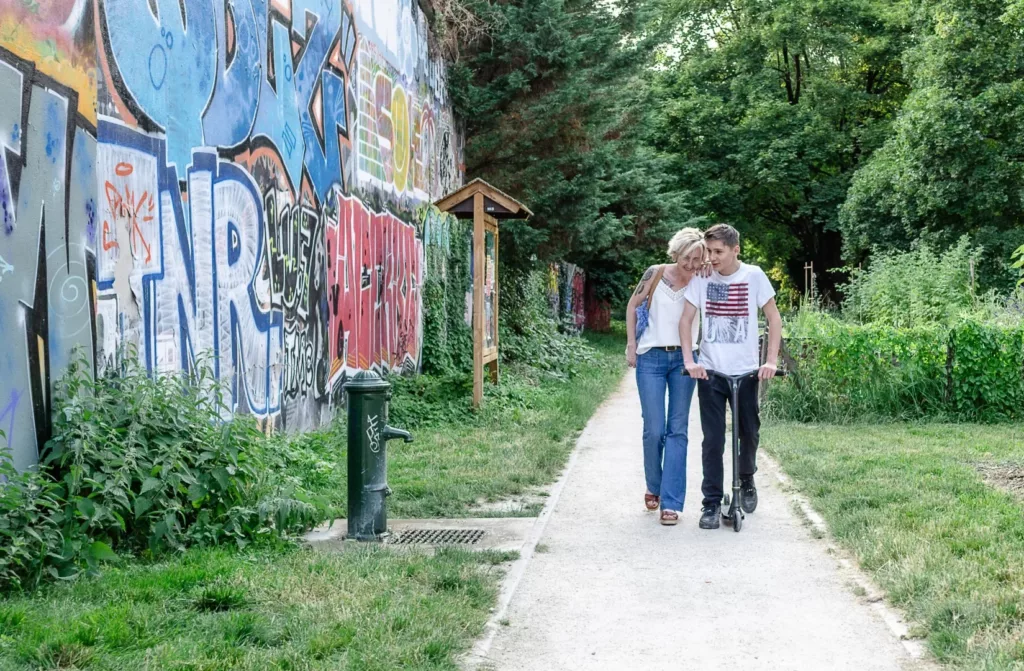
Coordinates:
(665, 441)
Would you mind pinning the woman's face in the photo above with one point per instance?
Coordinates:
(691, 262)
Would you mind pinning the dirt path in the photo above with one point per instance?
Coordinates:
(609, 588)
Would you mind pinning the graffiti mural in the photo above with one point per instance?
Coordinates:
(231, 181)
(47, 211)
(571, 284)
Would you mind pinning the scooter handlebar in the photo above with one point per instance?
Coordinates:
(778, 373)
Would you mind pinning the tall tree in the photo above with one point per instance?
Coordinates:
(954, 163)
(770, 107)
(555, 102)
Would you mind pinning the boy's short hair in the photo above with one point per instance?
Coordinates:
(723, 233)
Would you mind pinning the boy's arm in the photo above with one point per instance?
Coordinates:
(695, 370)
(771, 314)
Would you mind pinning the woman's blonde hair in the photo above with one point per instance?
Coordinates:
(684, 242)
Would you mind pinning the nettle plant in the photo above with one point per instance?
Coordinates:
(140, 463)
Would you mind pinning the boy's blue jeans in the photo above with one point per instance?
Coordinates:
(665, 432)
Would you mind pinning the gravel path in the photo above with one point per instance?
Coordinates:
(609, 588)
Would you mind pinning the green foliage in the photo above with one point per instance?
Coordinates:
(143, 463)
(529, 334)
(1018, 263)
(904, 289)
(768, 109)
(952, 163)
(972, 370)
(987, 371)
(556, 109)
(447, 339)
(848, 371)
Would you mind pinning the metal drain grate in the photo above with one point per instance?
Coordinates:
(437, 537)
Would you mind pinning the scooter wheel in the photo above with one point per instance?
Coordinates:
(737, 520)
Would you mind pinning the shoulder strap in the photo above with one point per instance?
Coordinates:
(654, 285)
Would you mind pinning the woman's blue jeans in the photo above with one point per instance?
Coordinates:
(665, 433)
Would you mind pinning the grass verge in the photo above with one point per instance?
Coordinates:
(286, 607)
(518, 441)
(910, 502)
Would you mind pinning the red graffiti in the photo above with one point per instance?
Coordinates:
(125, 206)
(374, 272)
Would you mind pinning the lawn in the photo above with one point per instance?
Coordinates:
(912, 503)
(293, 608)
(517, 442)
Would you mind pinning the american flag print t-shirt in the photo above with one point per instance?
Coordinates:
(728, 306)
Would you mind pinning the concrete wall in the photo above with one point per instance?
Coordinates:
(245, 178)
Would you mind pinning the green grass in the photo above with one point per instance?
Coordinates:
(295, 609)
(908, 500)
(520, 440)
(291, 608)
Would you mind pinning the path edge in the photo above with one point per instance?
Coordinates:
(894, 618)
(477, 655)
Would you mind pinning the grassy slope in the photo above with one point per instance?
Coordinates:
(298, 609)
(944, 545)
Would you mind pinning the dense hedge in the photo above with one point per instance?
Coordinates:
(973, 370)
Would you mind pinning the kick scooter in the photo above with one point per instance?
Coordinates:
(735, 515)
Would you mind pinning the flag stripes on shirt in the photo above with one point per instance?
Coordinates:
(728, 300)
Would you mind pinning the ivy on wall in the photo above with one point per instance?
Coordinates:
(447, 290)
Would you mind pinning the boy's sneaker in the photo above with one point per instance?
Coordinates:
(748, 494)
(710, 516)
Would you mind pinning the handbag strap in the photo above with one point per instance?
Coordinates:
(650, 291)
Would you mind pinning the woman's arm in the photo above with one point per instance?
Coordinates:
(638, 296)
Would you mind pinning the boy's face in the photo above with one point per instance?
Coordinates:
(722, 256)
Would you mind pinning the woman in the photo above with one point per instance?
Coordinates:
(659, 367)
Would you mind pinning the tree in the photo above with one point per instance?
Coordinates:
(555, 99)
(954, 163)
(769, 108)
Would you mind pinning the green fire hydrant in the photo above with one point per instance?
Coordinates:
(368, 435)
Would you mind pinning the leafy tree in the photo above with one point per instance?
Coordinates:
(954, 163)
(768, 109)
(555, 98)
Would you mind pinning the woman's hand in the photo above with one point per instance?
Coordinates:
(631, 355)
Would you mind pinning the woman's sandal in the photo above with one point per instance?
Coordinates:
(669, 517)
(652, 501)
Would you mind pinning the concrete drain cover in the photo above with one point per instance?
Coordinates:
(437, 537)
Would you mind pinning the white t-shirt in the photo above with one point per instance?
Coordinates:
(663, 328)
(728, 306)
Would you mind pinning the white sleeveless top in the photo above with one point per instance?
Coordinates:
(663, 328)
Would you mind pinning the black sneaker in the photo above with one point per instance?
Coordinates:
(711, 516)
(748, 495)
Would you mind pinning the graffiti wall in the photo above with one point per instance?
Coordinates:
(226, 180)
(565, 284)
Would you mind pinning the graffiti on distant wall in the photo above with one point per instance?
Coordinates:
(565, 283)
(245, 194)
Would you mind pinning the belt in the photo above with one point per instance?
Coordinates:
(670, 348)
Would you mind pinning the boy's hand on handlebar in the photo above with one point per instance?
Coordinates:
(767, 371)
(696, 371)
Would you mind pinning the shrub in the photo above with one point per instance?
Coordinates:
(903, 289)
(973, 370)
(847, 371)
(143, 463)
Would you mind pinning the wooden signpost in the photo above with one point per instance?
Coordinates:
(485, 205)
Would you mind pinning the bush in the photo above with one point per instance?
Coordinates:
(848, 371)
(972, 371)
(903, 289)
(144, 463)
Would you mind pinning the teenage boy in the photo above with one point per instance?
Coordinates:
(728, 301)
